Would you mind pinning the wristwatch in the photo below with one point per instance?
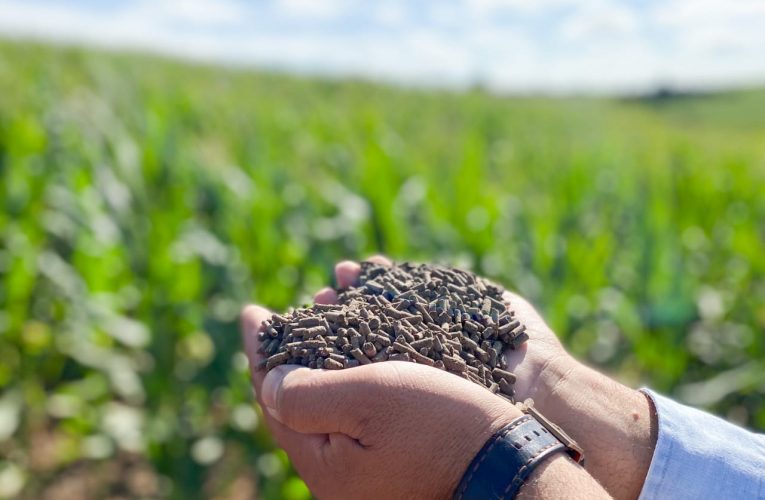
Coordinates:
(507, 459)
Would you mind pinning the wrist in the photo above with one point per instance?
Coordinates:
(495, 417)
(544, 473)
(561, 477)
(614, 424)
(524, 460)
(546, 379)
(508, 459)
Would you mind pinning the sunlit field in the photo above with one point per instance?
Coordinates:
(144, 201)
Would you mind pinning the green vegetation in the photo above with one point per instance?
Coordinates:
(144, 201)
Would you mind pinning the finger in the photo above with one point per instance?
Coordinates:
(316, 456)
(302, 448)
(380, 260)
(251, 322)
(317, 401)
(325, 296)
(305, 450)
(347, 273)
(292, 441)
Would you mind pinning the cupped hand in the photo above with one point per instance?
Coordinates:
(386, 430)
(540, 364)
(402, 430)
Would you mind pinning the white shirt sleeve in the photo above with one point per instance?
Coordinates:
(700, 456)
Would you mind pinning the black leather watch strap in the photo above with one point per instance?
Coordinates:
(506, 460)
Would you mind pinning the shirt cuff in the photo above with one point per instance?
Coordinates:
(698, 456)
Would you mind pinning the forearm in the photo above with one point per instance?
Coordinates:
(615, 425)
(560, 477)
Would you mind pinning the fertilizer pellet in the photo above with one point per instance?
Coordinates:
(438, 316)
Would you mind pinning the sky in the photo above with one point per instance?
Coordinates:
(550, 46)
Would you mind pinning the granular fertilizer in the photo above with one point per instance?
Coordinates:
(437, 316)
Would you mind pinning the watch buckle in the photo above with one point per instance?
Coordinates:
(572, 447)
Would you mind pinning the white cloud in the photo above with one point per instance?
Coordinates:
(549, 45)
(714, 25)
(489, 7)
(444, 13)
(143, 24)
(201, 12)
(390, 13)
(684, 13)
(598, 22)
(712, 40)
(313, 9)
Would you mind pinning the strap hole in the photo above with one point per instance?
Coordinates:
(527, 438)
(517, 445)
(535, 432)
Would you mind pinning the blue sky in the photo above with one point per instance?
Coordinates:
(511, 45)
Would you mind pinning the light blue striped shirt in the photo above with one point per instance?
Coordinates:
(700, 456)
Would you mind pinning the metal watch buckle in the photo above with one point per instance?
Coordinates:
(572, 447)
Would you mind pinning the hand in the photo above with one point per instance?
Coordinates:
(355, 434)
(386, 430)
(540, 364)
(615, 425)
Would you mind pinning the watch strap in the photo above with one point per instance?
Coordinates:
(499, 470)
(572, 447)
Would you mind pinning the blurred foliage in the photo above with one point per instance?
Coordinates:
(144, 201)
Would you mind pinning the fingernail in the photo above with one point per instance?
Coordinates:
(272, 385)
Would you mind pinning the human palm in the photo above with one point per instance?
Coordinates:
(529, 361)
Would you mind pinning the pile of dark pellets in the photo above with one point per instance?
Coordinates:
(437, 316)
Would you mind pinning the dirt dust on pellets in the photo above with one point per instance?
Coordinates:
(434, 315)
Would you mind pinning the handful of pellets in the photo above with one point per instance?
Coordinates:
(433, 315)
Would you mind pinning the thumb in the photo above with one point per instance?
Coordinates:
(316, 401)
